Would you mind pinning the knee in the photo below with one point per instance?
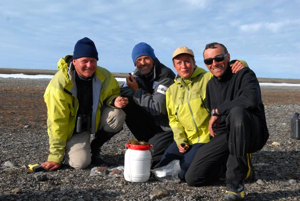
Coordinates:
(115, 121)
(191, 179)
(80, 162)
(238, 116)
(197, 177)
(119, 120)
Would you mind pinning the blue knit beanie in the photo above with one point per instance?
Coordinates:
(142, 49)
(85, 48)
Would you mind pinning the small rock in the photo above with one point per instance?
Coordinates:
(158, 193)
(8, 164)
(27, 126)
(40, 176)
(16, 190)
(292, 182)
(65, 198)
(260, 182)
(276, 143)
(189, 198)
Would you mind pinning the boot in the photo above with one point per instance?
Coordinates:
(235, 191)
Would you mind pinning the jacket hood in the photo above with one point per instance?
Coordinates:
(65, 66)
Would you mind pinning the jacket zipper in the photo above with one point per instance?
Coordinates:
(188, 102)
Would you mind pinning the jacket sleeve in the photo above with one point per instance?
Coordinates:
(58, 111)
(154, 104)
(177, 128)
(245, 64)
(248, 94)
(111, 90)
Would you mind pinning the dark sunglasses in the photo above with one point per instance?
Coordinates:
(217, 58)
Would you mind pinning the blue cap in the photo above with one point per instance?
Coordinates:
(142, 49)
(85, 48)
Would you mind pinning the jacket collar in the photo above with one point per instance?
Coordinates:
(226, 76)
(196, 73)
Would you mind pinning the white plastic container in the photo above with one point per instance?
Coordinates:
(137, 163)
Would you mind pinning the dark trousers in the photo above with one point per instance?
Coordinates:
(245, 133)
(100, 138)
(144, 128)
(172, 153)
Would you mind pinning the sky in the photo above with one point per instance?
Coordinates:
(35, 34)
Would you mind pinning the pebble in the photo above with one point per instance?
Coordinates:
(40, 176)
(16, 190)
(27, 126)
(276, 143)
(260, 182)
(158, 193)
(8, 164)
(292, 182)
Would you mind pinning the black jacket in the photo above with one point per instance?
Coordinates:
(241, 89)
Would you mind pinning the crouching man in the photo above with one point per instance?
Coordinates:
(237, 124)
(82, 98)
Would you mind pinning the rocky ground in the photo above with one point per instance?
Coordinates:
(23, 140)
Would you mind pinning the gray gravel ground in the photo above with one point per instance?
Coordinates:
(23, 140)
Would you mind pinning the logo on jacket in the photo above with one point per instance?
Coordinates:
(162, 89)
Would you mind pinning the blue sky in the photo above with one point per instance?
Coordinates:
(35, 34)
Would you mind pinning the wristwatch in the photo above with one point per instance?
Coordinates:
(213, 113)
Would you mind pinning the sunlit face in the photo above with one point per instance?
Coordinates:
(216, 68)
(85, 66)
(144, 64)
(184, 65)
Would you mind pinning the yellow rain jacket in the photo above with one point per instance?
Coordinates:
(186, 107)
(62, 104)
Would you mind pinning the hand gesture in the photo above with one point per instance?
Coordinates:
(214, 121)
(120, 102)
(236, 66)
(183, 147)
(50, 165)
(131, 83)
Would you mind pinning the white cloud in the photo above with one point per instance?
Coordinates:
(197, 3)
(273, 27)
(251, 27)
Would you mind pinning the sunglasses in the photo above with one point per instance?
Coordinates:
(217, 58)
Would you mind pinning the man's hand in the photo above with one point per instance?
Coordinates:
(120, 102)
(214, 121)
(236, 66)
(131, 83)
(50, 165)
(183, 147)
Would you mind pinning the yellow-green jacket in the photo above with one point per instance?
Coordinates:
(186, 107)
(62, 104)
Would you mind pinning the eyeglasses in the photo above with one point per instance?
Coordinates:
(217, 58)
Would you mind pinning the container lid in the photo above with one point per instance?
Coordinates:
(138, 147)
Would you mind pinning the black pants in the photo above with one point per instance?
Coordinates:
(245, 133)
(144, 128)
(100, 138)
